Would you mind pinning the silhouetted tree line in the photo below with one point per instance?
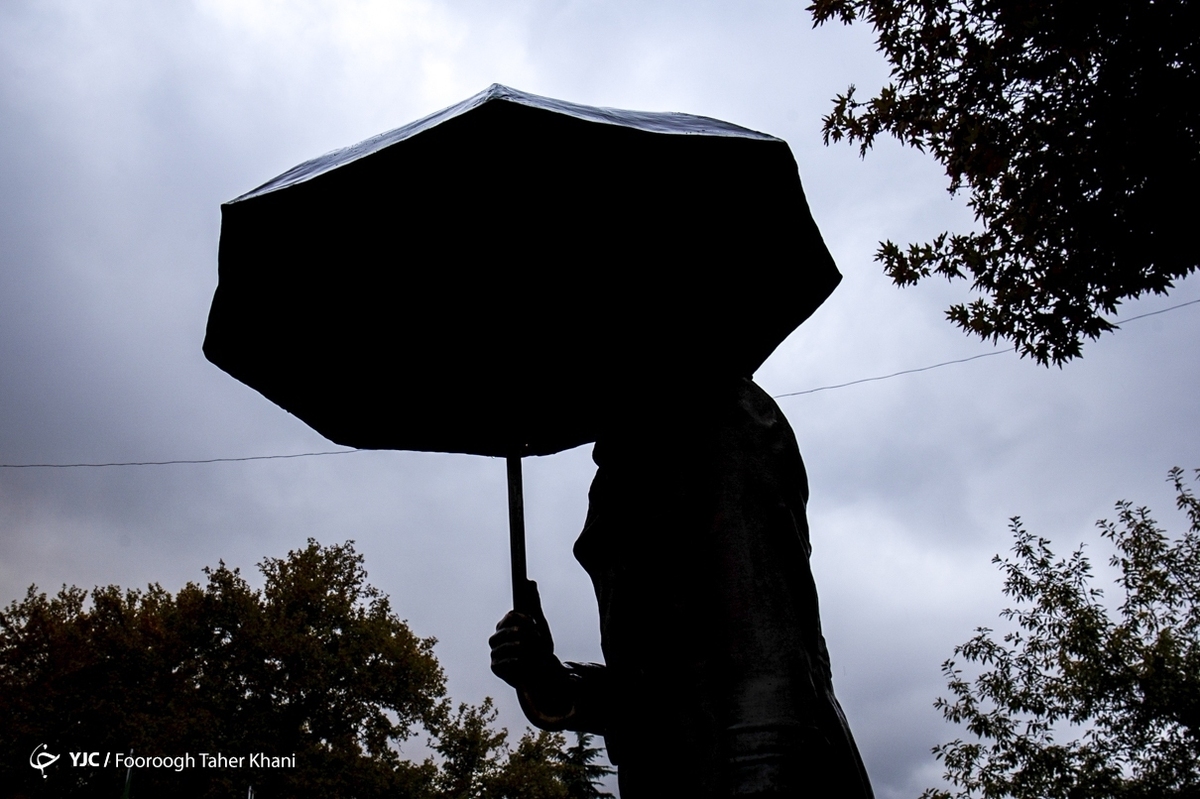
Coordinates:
(1066, 123)
(1084, 698)
(315, 664)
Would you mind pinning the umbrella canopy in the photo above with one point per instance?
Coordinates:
(497, 277)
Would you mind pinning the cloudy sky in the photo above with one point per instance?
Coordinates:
(123, 127)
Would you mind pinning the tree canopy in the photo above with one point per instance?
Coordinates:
(582, 774)
(1070, 125)
(314, 666)
(477, 764)
(1078, 701)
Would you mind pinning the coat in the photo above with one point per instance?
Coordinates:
(716, 679)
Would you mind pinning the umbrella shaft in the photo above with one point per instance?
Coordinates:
(516, 530)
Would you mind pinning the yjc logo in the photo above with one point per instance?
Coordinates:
(86, 759)
(42, 759)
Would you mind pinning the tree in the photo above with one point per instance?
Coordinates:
(582, 773)
(471, 752)
(1074, 702)
(315, 666)
(1069, 123)
(534, 771)
(477, 764)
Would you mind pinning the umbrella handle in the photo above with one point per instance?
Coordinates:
(522, 599)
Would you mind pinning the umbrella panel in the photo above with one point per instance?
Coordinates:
(500, 283)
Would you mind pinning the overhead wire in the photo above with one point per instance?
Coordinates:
(959, 360)
(886, 377)
(172, 463)
(350, 451)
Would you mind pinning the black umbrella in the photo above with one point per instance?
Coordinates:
(497, 277)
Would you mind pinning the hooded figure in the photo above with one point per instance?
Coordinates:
(716, 680)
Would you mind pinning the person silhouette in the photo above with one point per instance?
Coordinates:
(716, 681)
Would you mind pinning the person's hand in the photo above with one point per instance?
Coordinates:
(523, 648)
(523, 656)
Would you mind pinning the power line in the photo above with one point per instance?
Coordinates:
(885, 377)
(959, 360)
(349, 451)
(172, 463)
(1156, 313)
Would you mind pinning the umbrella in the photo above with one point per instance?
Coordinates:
(499, 276)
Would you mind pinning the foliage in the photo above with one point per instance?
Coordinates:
(471, 752)
(475, 767)
(315, 665)
(533, 771)
(1069, 122)
(583, 774)
(1074, 703)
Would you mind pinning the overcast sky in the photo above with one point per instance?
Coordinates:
(125, 125)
